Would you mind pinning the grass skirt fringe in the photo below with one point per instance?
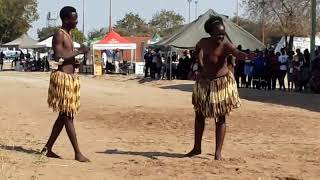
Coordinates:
(217, 97)
(64, 93)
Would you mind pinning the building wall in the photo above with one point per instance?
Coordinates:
(139, 41)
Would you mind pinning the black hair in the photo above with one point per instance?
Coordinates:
(65, 12)
(213, 20)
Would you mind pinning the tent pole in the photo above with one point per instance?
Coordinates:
(131, 67)
(135, 60)
(170, 53)
(93, 62)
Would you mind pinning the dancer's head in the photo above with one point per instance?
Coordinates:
(69, 17)
(215, 27)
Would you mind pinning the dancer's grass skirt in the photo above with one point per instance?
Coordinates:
(217, 97)
(64, 93)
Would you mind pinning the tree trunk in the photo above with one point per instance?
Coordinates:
(290, 47)
(285, 41)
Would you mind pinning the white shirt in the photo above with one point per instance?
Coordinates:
(104, 57)
(283, 59)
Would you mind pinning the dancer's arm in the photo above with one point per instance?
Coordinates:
(238, 54)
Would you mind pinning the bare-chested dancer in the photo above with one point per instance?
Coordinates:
(64, 89)
(215, 92)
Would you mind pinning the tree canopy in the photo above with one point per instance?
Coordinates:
(16, 17)
(166, 22)
(163, 22)
(46, 32)
(132, 24)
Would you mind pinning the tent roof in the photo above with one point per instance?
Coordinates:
(23, 41)
(114, 38)
(114, 41)
(189, 35)
(48, 43)
(155, 38)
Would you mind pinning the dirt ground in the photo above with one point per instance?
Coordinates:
(136, 129)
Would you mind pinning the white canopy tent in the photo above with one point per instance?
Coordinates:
(47, 43)
(114, 41)
(23, 42)
(114, 46)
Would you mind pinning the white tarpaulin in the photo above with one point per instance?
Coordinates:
(47, 43)
(301, 43)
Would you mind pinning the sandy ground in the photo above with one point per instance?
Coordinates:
(133, 129)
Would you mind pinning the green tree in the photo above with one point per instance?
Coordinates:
(78, 36)
(132, 25)
(97, 33)
(16, 17)
(166, 22)
(292, 17)
(272, 33)
(46, 32)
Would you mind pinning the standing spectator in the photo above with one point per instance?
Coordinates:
(116, 58)
(239, 71)
(14, 61)
(248, 68)
(184, 66)
(2, 56)
(315, 74)
(306, 55)
(22, 61)
(27, 62)
(153, 69)
(148, 63)
(193, 65)
(290, 71)
(259, 70)
(283, 60)
(105, 61)
(268, 70)
(173, 66)
(301, 72)
(275, 69)
(159, 65)
(164, 67)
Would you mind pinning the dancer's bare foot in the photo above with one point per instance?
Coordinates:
(81, 158)
(193, 152)
(218, 157)
(50, 154)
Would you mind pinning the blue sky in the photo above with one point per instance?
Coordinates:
(97, 11)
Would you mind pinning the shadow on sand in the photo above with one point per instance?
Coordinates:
(151, 155)
(306, 101)
(18, 149)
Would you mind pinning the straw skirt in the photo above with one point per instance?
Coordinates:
(64, 93)
(217, 97)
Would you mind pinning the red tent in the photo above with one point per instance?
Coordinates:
(114, 41)
(114, 38)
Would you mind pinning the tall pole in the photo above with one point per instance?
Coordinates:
(314, 28)
(83, 17)
(189, 1)
(263, 4)
(110, 9)
(196, 9)
(238, 12)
